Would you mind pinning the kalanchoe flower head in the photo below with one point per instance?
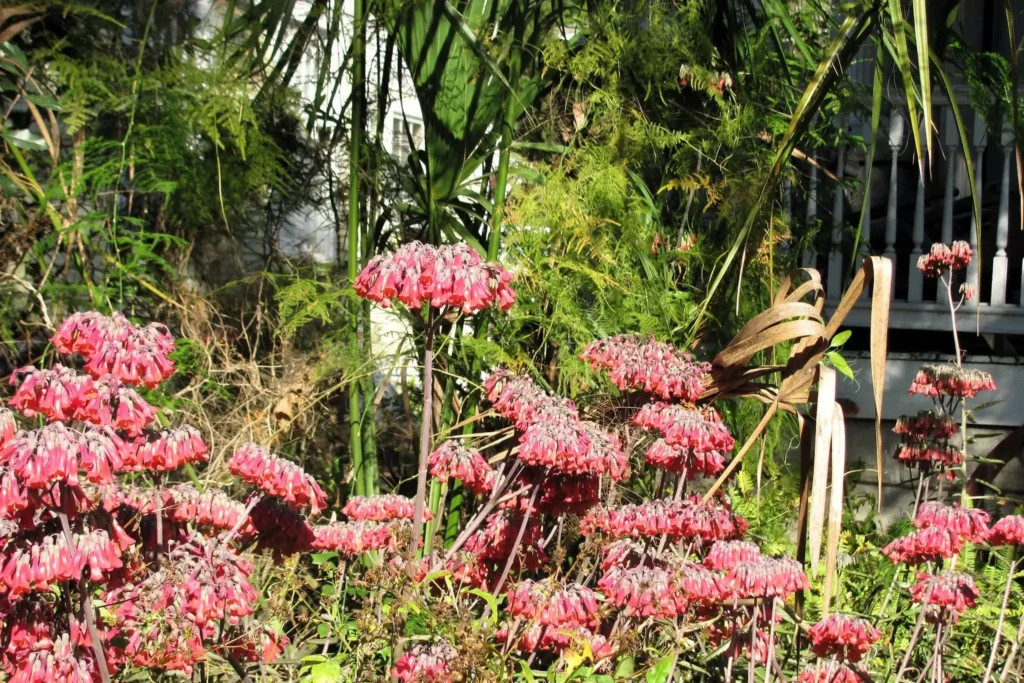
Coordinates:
(381, 508)
(637, 363)
(13, 497)
(64, 661)
(942, 258)
(57, 393)
(949, 380)
(931, 544)
(449, 275)
(212, 508)
(725, 555)
(279, 477)
(549, 604)
(912, 453)
(703, 585)
(425, 664)
(829, 672)
(572, 447)
(85, 332)
(453, 460)
(643, 592)
(520, 400)
(683, 461)
(354, 538)
(1007, 531)
(567, 494)
(844, 637)
(100, 454)
(927, 425)
(116, 405)
(945, 596)
(43, 456)
(166, 450)
(696, 430)
(261, 644)
(142, 357)
(690, 518)
(970, 524)
(497, 540)
(280, 529)
(767, 577)
(625, 552)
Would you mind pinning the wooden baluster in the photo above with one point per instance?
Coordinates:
(864, 245)
(915, 289)
(895, 144)
(835, 254)
(999, 261)
(810, 259)
(978, 143)
(951, 144)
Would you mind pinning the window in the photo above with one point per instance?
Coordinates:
(403, 134)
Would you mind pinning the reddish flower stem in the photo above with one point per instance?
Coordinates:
(910, 647)
(425, 429)
(519, 540)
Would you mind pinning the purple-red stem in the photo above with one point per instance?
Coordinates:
(1002, 618)
(519, 540)
(428, 405)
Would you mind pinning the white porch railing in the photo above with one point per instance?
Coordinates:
(909, 211)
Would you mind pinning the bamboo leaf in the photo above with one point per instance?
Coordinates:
(923, 60)
(902, 59)
(869, 159)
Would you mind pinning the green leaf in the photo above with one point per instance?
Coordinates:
(660, 672)
(325, 672)
(841, 338)
(840, 364)
(923, 51)
(44, 100)
(627, 664)
(25, 139)
(526, 673)
(489, 599)
(320, 558)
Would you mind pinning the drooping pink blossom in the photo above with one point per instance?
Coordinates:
(56, 393)
(381, 508)
(43, 456)
(643, 592)
(689, 518)
(725, 555)
(354, 538)
(521, 401)
(767, 577)
(84, 332)
(447, 276)
(8, 427)
(452, 460)
(941, 258)
(844, 637)
(13, 497)
(693, 429)
(927, 425)
(62, 662)
(573, 447)
(970, 524)
(116, 405)
(949, 380)
(1007, 531)
(262, 644)
(279, 477)
(638, 363)
(684, 461)
(212, 508)
(142, 357)
(550, 604)
(166, 450)
(497, 540)
(422, 664)
(914, 452)
(829, 672)
(280, 529)
(945, 596)
(926, 545)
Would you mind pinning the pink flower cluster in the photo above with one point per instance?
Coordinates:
(1007, 531)
(353, 538)
(942, 258)
(281, 478)
(638, 363)
(449, 275)
(554, 437)
(39, 566)
(726, 555)
(945, 596)
(114, 346)
(942, 531)
(423, 664)
(690, 518)
(926, 426)
(548, 604)
(54, 453)
(212, 508)
(767, 577)
(694, 441)
(847, 638)
(452, 460)
(166, 450)
(497, 540)
(644, 592)
(829, 672)
(949, 380)
(381, 508)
